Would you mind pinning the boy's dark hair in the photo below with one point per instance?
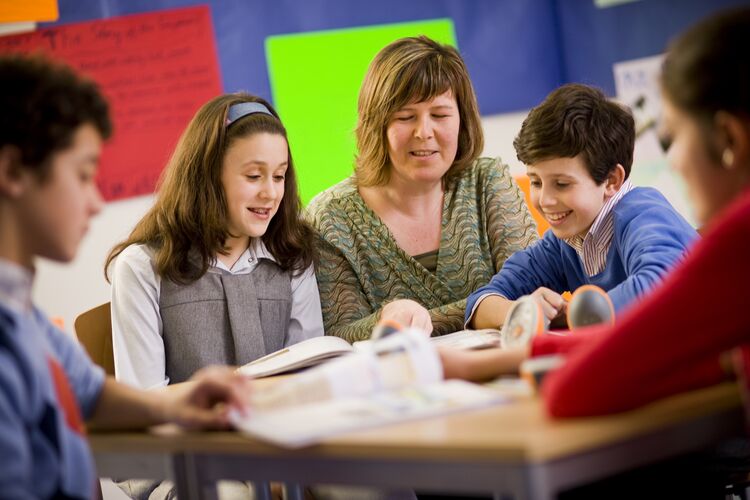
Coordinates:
(578, 119)
(42, 104)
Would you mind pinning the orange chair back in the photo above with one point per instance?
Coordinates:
(525, 184)
(94, 332)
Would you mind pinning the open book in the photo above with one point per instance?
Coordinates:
(469, 339)
(390, 380)
(313, 351)
(309, 352)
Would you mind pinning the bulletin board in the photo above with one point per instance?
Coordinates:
(315, 78)
(156, 69)
(506, 43)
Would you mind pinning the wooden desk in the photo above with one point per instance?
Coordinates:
(513, 450)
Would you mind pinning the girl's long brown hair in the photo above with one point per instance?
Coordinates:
(189, 216)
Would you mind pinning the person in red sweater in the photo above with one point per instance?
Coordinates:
(683, 335)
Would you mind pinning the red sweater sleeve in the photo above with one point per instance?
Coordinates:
(546, 344)
(671, 341)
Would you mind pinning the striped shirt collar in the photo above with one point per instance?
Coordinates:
(15, 287)
(593, 247)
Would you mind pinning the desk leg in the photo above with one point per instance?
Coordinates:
(293, 491)
(187, 482)
(262, 490)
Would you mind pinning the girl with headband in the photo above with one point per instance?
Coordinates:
(220, 270)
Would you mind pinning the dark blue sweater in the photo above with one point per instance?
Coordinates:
(649, 238)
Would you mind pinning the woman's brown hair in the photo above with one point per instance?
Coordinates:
(707, 68)
(406, 71)
(189, 216)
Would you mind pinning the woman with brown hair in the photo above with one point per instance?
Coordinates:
(424, 221)
(220, 270)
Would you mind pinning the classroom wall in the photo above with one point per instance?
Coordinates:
(65, 290)
(516, 52)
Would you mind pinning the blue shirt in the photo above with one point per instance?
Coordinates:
(41, 456)
(649, 238)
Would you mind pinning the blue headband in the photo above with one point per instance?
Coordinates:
(237, 111)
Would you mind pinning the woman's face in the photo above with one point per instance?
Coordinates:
(710, 186)
(423, 139)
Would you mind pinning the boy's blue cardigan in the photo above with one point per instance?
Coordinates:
(649, 238)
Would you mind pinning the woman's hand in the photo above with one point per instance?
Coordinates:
(407, 313)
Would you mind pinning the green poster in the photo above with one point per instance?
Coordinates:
(315, 79)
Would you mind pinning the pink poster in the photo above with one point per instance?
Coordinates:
(156, 69)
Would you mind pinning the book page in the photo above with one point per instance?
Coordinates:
(469, 339)
(389, 380)
(298, 426)
(462, 339)
(306, 353)
(392, 362)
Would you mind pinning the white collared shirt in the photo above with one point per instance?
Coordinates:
(136, 322)
(592, 248)
(15, 287)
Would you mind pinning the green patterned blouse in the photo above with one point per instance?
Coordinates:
(485, 220)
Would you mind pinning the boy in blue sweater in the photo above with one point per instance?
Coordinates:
(578, 149)
(51, 131)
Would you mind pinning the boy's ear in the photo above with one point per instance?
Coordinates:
(614, 180)
(12, 178)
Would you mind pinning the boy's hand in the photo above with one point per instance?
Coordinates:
(204, 401)
(552, 303)
(407, 313)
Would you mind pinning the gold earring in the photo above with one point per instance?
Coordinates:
(727, 158)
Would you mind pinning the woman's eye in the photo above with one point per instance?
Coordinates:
(403, 118)
(665, 141)
(278, 178)
(253, 177)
